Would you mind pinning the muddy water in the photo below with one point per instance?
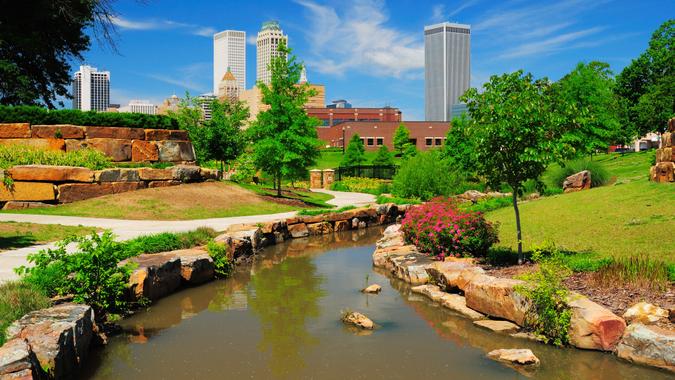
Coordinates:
(279, 319)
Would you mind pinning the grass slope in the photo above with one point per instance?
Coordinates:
(331, 160)
(16, 235)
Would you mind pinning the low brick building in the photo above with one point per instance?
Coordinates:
(423, 134)
(333, 116)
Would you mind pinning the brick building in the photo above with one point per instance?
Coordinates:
(332, 116)
(423, 134)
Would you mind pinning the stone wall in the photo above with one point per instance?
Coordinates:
(35, 185)
(119, 143)
(664, 170)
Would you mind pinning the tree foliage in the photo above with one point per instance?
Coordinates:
(401, 138)
(383, 157)
(284, 138)
(221, 138)
(356, 153)
(647, 85)
(459, 147)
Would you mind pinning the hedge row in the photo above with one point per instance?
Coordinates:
(38, 115)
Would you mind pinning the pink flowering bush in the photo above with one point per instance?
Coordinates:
(440, 229)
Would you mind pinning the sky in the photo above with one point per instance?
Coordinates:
(370, 52)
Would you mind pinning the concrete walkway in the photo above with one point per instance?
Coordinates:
(129, 229)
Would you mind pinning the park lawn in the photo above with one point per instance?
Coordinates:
(297, 194)
(183, 202)
(331, 159)
(18, 234)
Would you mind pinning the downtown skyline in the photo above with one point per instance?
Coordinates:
(369, 52)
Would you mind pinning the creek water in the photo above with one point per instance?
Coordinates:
(279, 318)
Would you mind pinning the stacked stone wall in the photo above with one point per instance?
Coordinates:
(664, 170)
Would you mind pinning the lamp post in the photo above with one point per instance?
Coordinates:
(343, 141)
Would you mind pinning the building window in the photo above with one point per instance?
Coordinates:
(439, 141)
(429, 141)
(371, 141)
(380, 141)
(363, 141)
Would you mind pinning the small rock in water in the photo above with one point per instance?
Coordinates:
(520, 356)
(498, 326)
(644, 312)
(374, 288)
(357, 319)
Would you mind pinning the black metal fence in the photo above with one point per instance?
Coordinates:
(368, 171)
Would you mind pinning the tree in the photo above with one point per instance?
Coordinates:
(409, 151)
(39, 40)
(459, 146)
(647, 85)
(284, 137)
(224, 140)
(516, 129)
(356, 152)
(589, 87)
(383, 157)
(401, 138)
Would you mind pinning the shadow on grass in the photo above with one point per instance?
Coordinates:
(584, 261)
(18, 241)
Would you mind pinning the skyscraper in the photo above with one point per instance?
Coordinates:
(447, 68)
(269, 38)
(229, 50)
(91, 89)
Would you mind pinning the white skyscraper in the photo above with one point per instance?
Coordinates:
(229, 50)
(91, 89)
(269, 38)
(447, 68)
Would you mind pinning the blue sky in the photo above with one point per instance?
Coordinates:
(370, 52)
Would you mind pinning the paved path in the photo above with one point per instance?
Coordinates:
(129, 229)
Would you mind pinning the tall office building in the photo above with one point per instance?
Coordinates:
(447, 68)
(229, 50)
(269, 38)
(91, 89)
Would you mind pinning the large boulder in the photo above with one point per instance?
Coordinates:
(645, 313)
(383, 257)
(144, 151)
(175, 151)
(186, 173)
(59, 336)
(165, 134)
(447, 273)
(28, 191)
(117, 149)
(298, 230)
(196, 265)
(320, 228)
(51, 173)
(411, 268)
(496, 297)
(150, 174)
(454, 302)
(115, 133)
(117, 175)
(57, 131)
(593, 326)
(648, 345)
(577, 182)
(71, 192)
(15, 131)
(155, 276)
(17, 361)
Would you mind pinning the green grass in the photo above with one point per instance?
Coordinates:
(331, 159)
(381, 199)
(319, 212)
(167, 241)
(631, 217)
(306, 196)
(15, 235)
(17, 299)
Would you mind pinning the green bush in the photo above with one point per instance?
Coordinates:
(218, 252)
(549, 316)
(489, 204)
(599, 175)
(167, 241)
(362, 185)
(91, 273)
(39, 115)
(18, 298)
(381, 199)
(426, 176)
(12, 155)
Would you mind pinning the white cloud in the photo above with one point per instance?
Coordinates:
(160, 24)
(549, 45)
(439, 12)
(252, 39)
(357, 37)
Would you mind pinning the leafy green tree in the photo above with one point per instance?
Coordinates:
(589, 87)
(222, 138)
(38, 42)
(356, 153)
(284, 137)
(516, 128)
(401, 138)
(409, 151)
(383, 157)
(648, 84)
(459, 146)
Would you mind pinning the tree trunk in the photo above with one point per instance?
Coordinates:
(520, 240)
(279, 185)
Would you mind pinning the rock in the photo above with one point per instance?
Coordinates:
(150, 174)
(496, 297)
(43, 144)
(593, 326)
(374, 288)
(209, 174)
(117, 149)
(298, 230)
(186, 173)
(175, 151)
(472, 196)
(22, 205)
(362, 225)
(357, 319)
(355, 223)
(153, 184)
(71, 192)
(671, 311)
(59, 336)
(57, 131)
(17, 361)
(411, 268)
(165, 134)
(341, 225)
(156, 275)
(433, 292)
(28, 191)
(383, 257)
(15, 131)
(117, 175)
(662, 172)
(520, 356)
(664, 155)
(505, 327)
(144, 151)
(644, 313)
(577, 182)
(321, 228)
(457, 303)
(251, 233)
(115, 133)
(50, 173)
(648, 345)
(447, 273)
(196, 265)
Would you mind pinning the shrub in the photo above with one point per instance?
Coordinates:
(383, 157)
(18, 298)
(167, 241)
(634, 271)
(39, 115)
(12, 155)
(91, 273)
(218, 252)
(549, 315)
(425, 176)
(489, 204)
(599, 175)
(396, 200)
(244, 169)
(441, 229)
(362, 185)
